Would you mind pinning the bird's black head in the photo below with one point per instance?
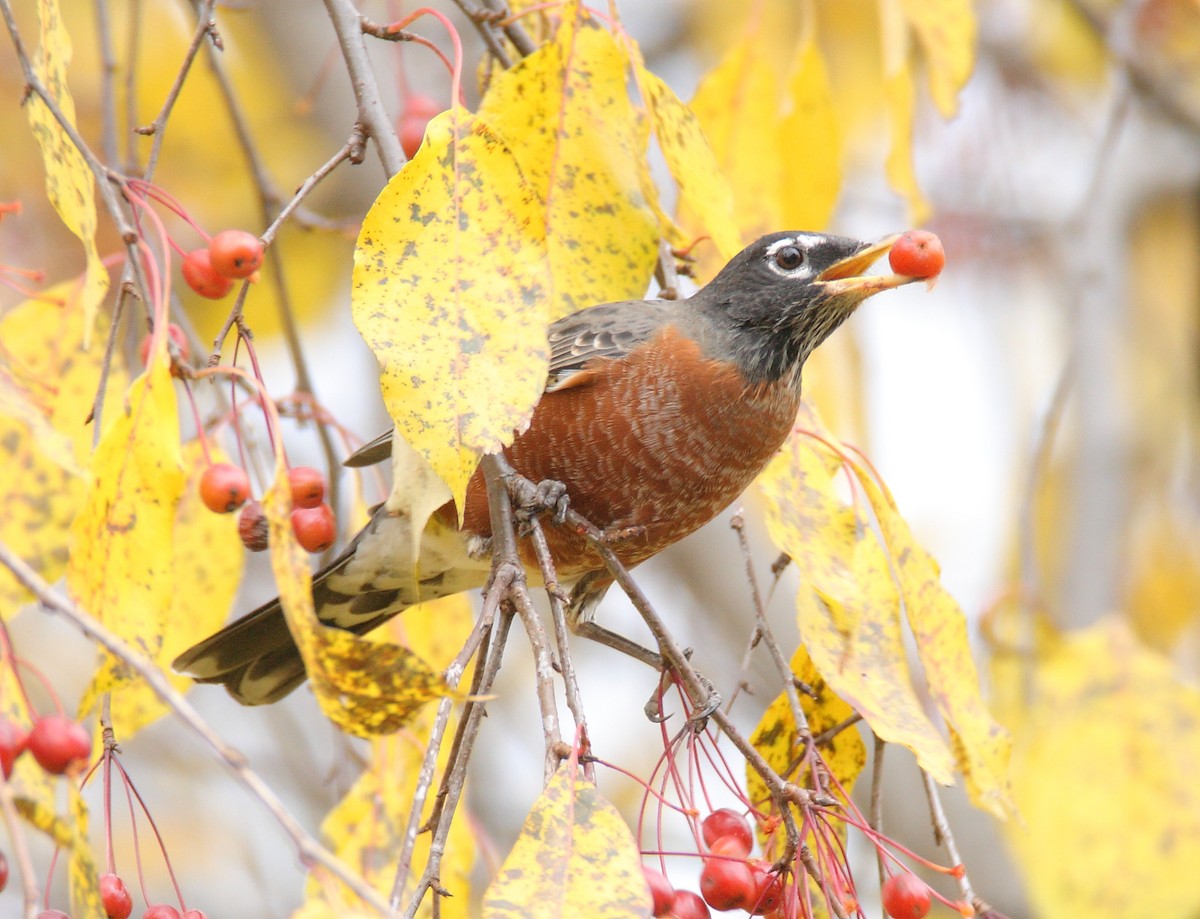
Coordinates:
(783, 295)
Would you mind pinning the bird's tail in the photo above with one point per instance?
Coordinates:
(256, 659)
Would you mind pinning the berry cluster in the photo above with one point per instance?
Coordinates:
(729, 878)
(225, 487)
(231, 255)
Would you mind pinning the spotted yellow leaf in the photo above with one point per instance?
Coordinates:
(848, 606)
(982, 747)
(450, 293)
(71, 835)
(69, 182)
(1104, 762)
(777, 738)
(122, 540)
(365, 687)
(574, 857)
(566, 114)
(47, 385)
(703, 189)
(205, 573)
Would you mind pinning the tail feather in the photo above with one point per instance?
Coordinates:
(256, 659)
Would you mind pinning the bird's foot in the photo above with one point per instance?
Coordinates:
(530, 500)
(708, 702)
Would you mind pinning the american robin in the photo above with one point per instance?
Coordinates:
(656, 415)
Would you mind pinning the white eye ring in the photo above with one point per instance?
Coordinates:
(786, 257)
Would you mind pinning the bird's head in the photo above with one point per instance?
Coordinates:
(781, 296)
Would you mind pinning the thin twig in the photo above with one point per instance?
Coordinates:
(433, 748)
(460, 756)
(504, 552)
(945, 836)
(158, 127)
(309, 848)
(20, 849)
(513, 30)
(875, 819)
(347, 151)
(763, 632)
(347, 24)
(108, 71)
(484, 21)
(559, 617)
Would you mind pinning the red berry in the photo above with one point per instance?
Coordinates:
(3, 871)
(252, 526)
(115, 897)
(917, 254)
(224, 488)
(768, 889)
(726, 883)
(58, 743)
(308, 486)
(13, 740)
(52, 914)
(201, 277)
(314, 527)
(195, 914)
(661, 892)
(161, 911)
(727, 822)
(412, 133)
(905, 896)
(235, 253)
(176, 335)
(419, 105)
(688, 905)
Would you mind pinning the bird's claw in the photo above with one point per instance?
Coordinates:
(547, 495)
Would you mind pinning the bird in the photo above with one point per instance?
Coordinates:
(656, 415)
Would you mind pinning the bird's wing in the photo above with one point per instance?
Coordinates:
(582, 341)
(579, 343)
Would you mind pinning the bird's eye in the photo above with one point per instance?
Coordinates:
(789, 258)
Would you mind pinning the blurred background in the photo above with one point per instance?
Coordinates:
(1035, 415)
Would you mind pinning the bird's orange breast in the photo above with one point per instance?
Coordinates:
(662, 439)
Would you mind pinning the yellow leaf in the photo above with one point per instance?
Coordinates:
(1104, 776)
(565, 113)
(777, 738)
(72, 836)
(900, 100)
(121, 542)
(47, 384)
(810, 143)
(575, 856)
(206, 570)
(982, 747)
(737, 105)
(366, 828)
(848, 606)
(449, 292)
(945, 31)
(703, 189)
(69, 181)
(81, 867)
(365, 687)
